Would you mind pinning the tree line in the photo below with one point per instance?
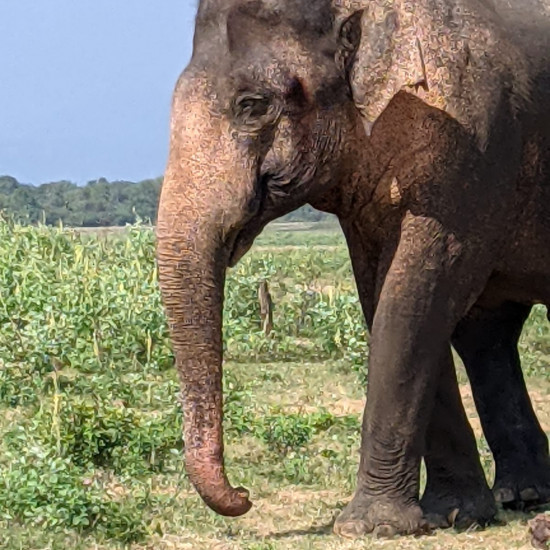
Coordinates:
(99, 203)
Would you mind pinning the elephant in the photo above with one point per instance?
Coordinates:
(424, 126)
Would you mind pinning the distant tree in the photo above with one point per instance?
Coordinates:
(8, 185)
(23, 204)
(306, 214)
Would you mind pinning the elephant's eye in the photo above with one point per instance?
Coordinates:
(255, 109)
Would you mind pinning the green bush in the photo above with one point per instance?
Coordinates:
(86, 367)
(101, 433)
(534, 344)
(38, 487)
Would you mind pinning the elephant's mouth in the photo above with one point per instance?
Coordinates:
(272, 201)
(243, 240)
(240, 242)
(238, 248)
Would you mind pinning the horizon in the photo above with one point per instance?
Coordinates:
(87, 88)
(83, 184)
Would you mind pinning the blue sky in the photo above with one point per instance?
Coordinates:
(85, 86)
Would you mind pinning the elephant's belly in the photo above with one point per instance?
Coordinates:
(523, 274)
(525, 287)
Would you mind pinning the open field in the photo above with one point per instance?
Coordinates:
(90, 423)
(275, 235)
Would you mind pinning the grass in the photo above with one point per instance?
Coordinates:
(90, 424)
(300, 235)
(275, 236)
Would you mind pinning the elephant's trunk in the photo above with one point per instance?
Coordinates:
(206, 194)
(192, 288)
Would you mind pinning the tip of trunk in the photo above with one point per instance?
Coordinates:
(211, 483)
(233, 503)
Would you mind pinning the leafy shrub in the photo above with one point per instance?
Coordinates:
(86, 364)
(40, 488)
(95, 432)
(285, 432)
(534, 344)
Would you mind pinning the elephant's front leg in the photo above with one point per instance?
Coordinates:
(418, 306)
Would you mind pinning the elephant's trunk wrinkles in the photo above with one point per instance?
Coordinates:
(202, 202)
(193, 296)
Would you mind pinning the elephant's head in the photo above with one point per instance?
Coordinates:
(262, 122)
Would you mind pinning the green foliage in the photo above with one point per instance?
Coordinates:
(62, 459)
(286, 432)
(99, 432)
(283, 433)
(304, 236)
(99, 203)
(313, 315)
(534, 345)
(40, 488)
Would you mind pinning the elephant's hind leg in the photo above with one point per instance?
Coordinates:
(456, 493)
(487, 342)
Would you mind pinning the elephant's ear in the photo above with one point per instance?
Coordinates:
(349, 40)
(404, 48)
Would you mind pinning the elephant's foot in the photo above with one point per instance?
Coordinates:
(458, 506)
(381, 516)
(524, 488)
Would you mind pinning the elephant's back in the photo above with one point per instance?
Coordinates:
(526, 21)
(527, 25)
(519, 11)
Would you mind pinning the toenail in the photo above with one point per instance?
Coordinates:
(384, 531)
(504, 495)
(529, 494)
(351, 529)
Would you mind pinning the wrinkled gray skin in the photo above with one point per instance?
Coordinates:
(425, 127)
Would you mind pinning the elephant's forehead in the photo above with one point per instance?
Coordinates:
(277, 48)
(303, 16)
